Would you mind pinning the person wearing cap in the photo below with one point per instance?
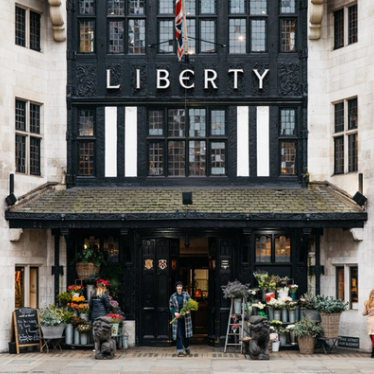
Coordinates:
(182, 326)
(99, 301)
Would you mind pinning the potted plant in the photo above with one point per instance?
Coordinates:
(308, 305)
(84, 328)
(236, 291)
(52, 321)
(68, 315)
(116, 319)
(88, 261)
(330, 310)
(64, 298)
(306, 330)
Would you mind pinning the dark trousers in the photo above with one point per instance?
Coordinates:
(182, 341)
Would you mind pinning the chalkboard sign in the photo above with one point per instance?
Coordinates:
(349, 341)
(26, 327)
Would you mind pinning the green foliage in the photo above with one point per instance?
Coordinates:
(64, 298)
(308, 301)
(68, 315)
(327, 304)
(307, 327)
(90, 254)
(51, 315)
(235, 289)
(113, 272)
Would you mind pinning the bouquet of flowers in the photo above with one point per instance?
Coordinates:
(83, 308)
(76, 287)
(262, 278)
(84, 327)
(291, 305)
(72, 306)
(191, 305)
(75, 321)
(293, 288)
(277, 303)
(113, 304)
(276, 325)
(77, 299)
(116, 318)
(259, 305)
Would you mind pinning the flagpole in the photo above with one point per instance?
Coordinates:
(184, 28)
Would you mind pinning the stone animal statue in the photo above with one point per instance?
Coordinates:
(105, 346)
(259, 343)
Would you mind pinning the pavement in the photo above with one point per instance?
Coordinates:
(203, 360)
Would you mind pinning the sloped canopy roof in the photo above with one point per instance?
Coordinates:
(319, 205)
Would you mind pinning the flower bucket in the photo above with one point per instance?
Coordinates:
(84, 338)
(84, 316)
(292, 316)
(277, 314)
(89, 289)
(69, 332)
(312, 314)
(76, 337)
(283, 339)
(284, 315)
(115, 329)
(237, 306)
(275, 346)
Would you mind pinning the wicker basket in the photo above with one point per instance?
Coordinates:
(86, 269)
(330, 324)
(306, 345)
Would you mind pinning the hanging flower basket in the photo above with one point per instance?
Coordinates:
(86, 269)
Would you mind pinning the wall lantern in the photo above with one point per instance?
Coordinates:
(187, 198)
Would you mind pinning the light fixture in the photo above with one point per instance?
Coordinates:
(359, 198)
(187, 198)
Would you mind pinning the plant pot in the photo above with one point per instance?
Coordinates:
(86, 270)
(89, 289)
(306, 345)
(293, 295)
(53, 331)
(76, 337)
(84, 338)
(275, 346)
(69, 333)
(283, 339)
(330, 323)
(284, 315)
(292, 316)
(270, 313)
(277, 314)
(312, 314)
(238, 306)
(115, 327)
(84, 316)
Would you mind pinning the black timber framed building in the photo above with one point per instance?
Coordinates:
(192, 170)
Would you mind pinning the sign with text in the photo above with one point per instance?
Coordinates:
(26, 327)
(349, 342)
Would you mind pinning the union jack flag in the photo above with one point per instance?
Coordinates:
(178, 28)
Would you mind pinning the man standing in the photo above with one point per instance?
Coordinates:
(182, 326)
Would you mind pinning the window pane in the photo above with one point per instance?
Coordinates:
(287, 6)
(352, 114)
(20, 27)
(263, 249)
(137, 7)
(165, 37)
(165, 7)
(287, 122)
(339, 28)
(34, 156)
(237, 6)
(339, 117)
(208, 36)
(258, 7)
(176, 122)
(87, 7)
(35, 31)
(20, 154)
(116, 7)
(282, 249)
(288, 35)
(339, 155)
(217, 126)
(237, 36)
(288, 157)
(191, 27)
(352, 24)
(86, 158)
(197, 158)
(190, 8)
(20, 115)
(116, 31)
(156, 122)
(218, 158)
(35, 118)
(207, 6)
(352, 153)
(197, 125)
(354, 286)
(258, 35)
(86, 122)
(86, 36)
(340, 282)
(136, 36)
(156, 158)
(176, 158)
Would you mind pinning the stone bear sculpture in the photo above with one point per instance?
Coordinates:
(104, 345)
(259, 344)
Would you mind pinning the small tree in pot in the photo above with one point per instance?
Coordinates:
(306, 331)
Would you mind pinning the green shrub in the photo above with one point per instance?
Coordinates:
(327, 304)
(307, 327)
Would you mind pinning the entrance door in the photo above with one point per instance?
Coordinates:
(155, 290)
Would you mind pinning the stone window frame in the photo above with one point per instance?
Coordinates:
(28, 28)
(345, 136)
(31, 135)
(347, 287)
(345, 26)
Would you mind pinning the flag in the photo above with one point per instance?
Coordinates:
(178, 28)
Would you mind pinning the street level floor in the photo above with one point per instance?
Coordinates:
(203, 360)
